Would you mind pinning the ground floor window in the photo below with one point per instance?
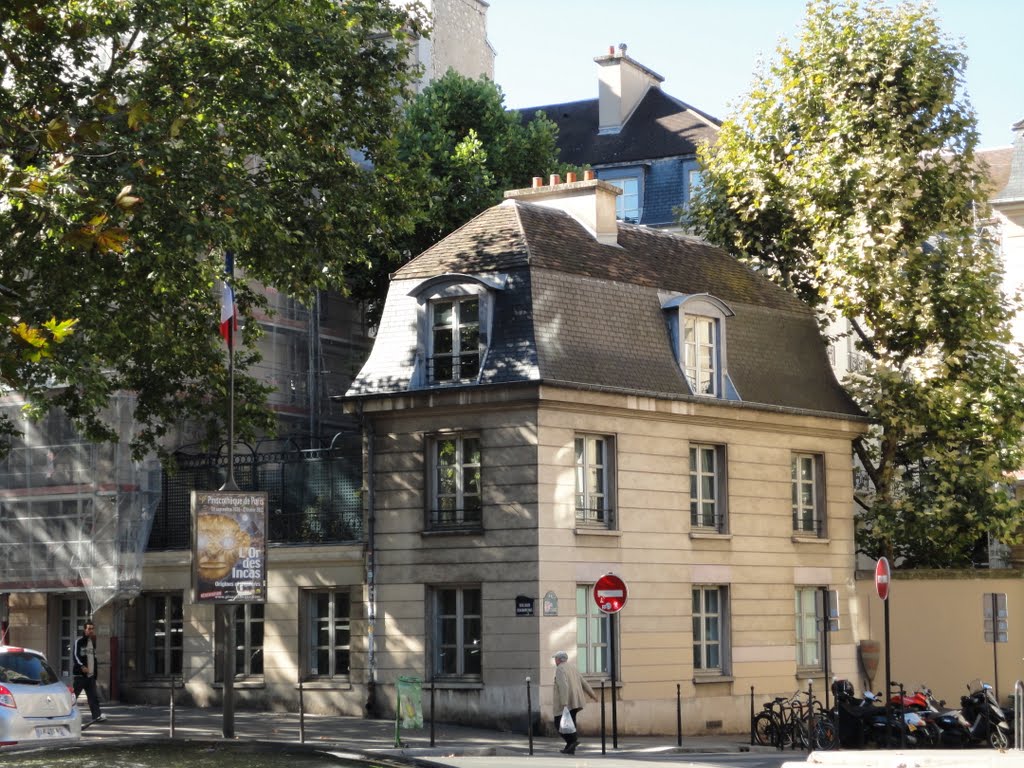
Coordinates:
(593, 628)
(458, 631)
(808, 628)
(327, 629)
(248, 642)
(164, 627)
(710, 606)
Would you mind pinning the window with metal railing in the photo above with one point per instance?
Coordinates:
(456, 499)
(594, 487)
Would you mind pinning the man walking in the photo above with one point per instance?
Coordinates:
(83, 667)
(569, 689)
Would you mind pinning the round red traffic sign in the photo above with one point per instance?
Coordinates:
(882, 578)
(610, 593)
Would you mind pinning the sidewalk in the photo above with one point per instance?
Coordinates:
(453, 745)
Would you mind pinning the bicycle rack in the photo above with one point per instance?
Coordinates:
(1018, 716)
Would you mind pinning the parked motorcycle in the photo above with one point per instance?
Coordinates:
(984, 719)
(867, 722)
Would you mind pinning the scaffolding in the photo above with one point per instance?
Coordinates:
(74, 515)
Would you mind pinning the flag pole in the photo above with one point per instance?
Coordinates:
(230, 484)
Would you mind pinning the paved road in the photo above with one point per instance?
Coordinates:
(454, 746)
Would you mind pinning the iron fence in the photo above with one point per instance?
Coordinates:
(313, 494)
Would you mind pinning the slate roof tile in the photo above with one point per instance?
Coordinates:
(580, 313)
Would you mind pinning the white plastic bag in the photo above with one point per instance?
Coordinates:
(566, 725)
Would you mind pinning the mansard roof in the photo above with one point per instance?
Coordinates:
(660, 126)
(575, 312)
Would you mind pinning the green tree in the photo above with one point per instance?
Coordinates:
(849, 175)
(139, 141)
(462, 149)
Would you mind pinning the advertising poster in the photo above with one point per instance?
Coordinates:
(229, 549)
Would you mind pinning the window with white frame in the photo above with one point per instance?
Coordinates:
(326, 620)
(697, 326)
(454, 339)
(710, 607)
(593, 629)
(248, 642)
(627, 205)
(707, 487)
(594, 487)
(458, 632)
(807, 474)
(809, 628)
(165, 628)
(700, 354)
(455, 488)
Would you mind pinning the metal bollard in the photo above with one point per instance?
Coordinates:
(172, 709)
(432, 688)
(603, 748)
(529, 714)
(679, 716)
(751, 715)
(302, 715)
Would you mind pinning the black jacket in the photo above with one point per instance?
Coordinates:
(80, 658)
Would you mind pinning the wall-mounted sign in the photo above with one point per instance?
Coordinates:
(550, 604)
(229, 546)
(524, 605)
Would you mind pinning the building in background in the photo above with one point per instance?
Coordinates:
(635, 136)
(76, 518)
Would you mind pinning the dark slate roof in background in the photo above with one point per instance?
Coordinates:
(660, 126)
(593, 316)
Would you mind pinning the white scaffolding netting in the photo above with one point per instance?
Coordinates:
(74, 515)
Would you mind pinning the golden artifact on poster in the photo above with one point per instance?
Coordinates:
(220, 543)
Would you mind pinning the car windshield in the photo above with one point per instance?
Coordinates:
(24, 668)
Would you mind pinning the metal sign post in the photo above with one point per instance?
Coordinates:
(883, 575)
(610, 595)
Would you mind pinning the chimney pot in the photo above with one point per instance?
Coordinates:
(588, 175)
(611, 50)
(538, 181)
(555, 180)
(570, 177)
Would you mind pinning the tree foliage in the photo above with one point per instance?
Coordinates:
(461, 149)
(141, 140)
(848, 174)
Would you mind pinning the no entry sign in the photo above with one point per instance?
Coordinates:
(610, 593)
(882, 577)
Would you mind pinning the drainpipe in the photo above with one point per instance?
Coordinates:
(371, 585)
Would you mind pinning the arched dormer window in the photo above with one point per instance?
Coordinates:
(697, 327)
(455, 326)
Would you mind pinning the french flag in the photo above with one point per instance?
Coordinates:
(228, 311)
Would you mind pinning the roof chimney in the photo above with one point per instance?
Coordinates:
(622, 83)
(591, 202)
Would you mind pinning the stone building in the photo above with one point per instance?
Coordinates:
(554, 395)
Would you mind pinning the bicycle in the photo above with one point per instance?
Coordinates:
(790, 722)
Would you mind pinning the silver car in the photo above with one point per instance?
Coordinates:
(35, 705)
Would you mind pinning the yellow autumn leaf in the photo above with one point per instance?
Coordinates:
(138, 114)
(29, 335)
(112, 239)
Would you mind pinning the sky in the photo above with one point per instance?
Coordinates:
(707, 50)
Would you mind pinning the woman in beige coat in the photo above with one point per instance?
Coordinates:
(569, 689)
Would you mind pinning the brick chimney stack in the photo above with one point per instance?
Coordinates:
(622, 84)
(590, 201)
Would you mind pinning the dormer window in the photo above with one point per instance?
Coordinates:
(701, 353)
(697, 328)
(454, 327)
(455, 339)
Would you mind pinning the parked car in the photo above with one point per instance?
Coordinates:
(35, 705)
